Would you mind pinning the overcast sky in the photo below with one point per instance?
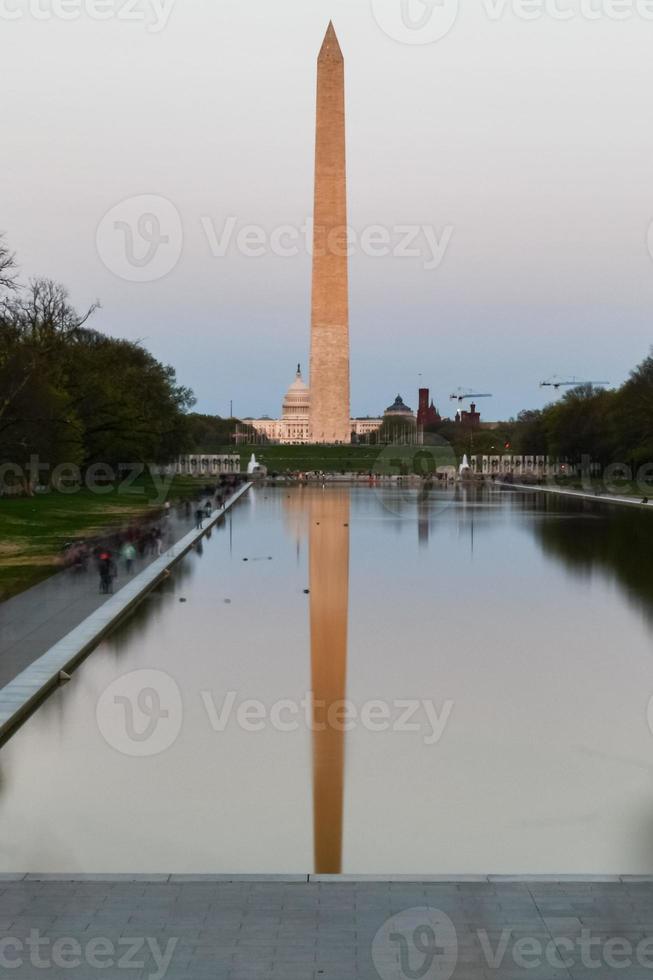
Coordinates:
(518, 151)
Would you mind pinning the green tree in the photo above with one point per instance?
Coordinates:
(396, 429)
(529, 434)
(36, 324)
(211, 433)
(633, 411)
(129, 406)
(582, 424)
(71, 394)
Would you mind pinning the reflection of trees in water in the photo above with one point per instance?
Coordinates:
(475, 508)
(589, 537)
(152, 607)
(53, 710)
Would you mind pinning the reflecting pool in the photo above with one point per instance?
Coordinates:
(361, 680)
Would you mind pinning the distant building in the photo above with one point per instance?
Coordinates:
(293, 428)
(399, 410)
(202, 465)
(427, 413)
(365, 426)
(472, 418)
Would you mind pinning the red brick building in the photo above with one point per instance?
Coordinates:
(427, 413)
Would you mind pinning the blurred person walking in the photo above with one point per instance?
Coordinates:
(129, 556)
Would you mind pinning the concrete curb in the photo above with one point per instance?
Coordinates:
(19, 698)
(578, 494)
(313, 879)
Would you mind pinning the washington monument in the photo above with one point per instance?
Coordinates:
(329, 412)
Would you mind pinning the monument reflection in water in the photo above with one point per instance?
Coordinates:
(532, 617)
(329, 607)
(321, 518)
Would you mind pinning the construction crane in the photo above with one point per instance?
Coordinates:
(556, 383)
(466, 394)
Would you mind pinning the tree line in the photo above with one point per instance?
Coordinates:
(608, 426)
(71, 394)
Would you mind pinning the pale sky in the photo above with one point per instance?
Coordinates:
(524, 147)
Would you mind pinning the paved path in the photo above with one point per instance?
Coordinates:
(23, 694)
(315, 931)
(605, 498)
(34, 620)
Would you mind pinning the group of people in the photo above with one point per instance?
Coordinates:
(203, 513)
(142, 538)
(216, 498)
(135, 542)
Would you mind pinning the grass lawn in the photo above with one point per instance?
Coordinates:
(331, 459)
(33, 530)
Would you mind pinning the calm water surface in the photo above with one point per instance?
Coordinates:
(480, 665)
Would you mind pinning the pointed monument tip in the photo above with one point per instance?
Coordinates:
(331, 47)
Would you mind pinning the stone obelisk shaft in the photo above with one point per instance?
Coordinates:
(330, 411)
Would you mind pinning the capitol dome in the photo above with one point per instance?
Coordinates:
(298, 398)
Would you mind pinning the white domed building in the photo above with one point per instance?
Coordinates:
(297, 403)
(292, 429)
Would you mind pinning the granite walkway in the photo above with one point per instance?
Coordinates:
(20, 697)
(244, 930)
(601, 498)
(34, 620)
